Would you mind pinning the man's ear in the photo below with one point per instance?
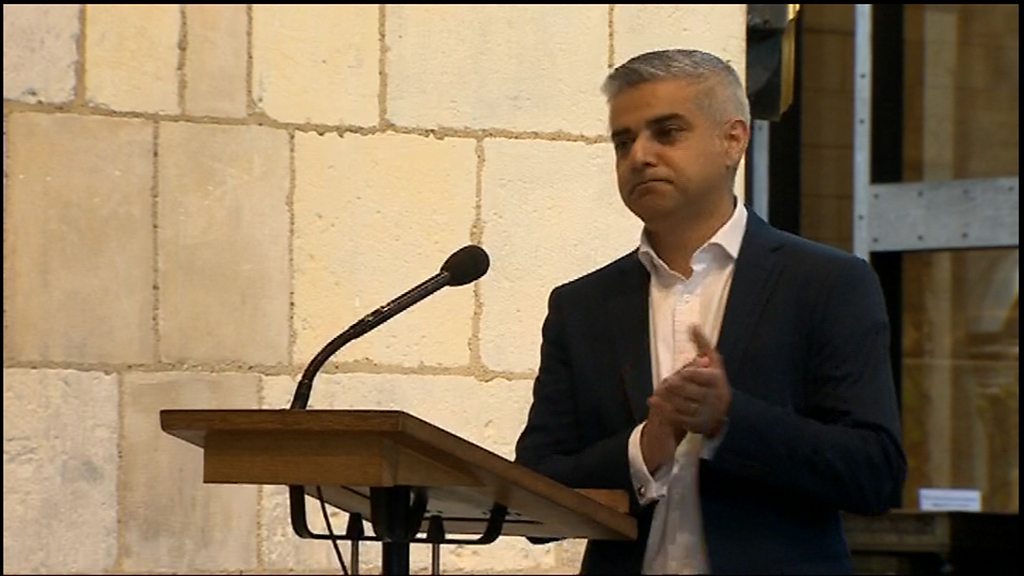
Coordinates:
(736, 135)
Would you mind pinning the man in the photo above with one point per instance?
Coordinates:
(733, 378)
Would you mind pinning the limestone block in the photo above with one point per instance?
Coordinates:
(40, 52)
(60, 471)
(80, 229)
(551, 212)
(494, 66)
(170, 520)
(718, 29)
(216, 60)
(374, 216)
(316, 64)
(131, 56)
(224, 286)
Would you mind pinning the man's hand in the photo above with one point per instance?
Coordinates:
(658, 439)
(696, 397)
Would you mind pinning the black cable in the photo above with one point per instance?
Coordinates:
(330, 530)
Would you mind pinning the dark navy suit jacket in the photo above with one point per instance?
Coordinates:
(813, 425)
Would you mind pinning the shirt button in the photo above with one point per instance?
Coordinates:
(641, 490)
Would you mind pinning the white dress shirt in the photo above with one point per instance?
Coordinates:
(676, 542)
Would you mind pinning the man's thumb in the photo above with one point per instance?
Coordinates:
(704, 346)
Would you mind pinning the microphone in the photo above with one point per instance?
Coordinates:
(465, 265)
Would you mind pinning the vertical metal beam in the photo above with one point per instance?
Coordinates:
(862, 131)
(759, 166)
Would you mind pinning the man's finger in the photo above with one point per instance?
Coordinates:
(704, 346)
(702, 377)
(675, 394)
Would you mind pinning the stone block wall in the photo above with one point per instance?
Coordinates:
(196, 198)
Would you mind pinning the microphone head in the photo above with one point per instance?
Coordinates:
(466, 264)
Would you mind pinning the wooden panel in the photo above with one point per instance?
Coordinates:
(298, 457)
(513, 485)
(617, 500)
(940, 532)
(347, 451)
(912, 542)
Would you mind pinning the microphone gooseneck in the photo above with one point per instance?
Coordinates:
(464, 266)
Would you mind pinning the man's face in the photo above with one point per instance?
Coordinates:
(671, 154)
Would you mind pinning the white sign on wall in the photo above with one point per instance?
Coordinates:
(949, 499)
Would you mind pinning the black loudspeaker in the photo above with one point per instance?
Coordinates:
(771, 58)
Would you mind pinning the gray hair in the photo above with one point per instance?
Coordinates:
(689, 65)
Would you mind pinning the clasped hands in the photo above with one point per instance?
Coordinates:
(694, 398)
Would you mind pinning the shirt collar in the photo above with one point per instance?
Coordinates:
(729, 237)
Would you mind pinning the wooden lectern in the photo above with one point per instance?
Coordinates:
(399, 472)
(923, 542)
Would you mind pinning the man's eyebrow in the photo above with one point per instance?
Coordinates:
(657, 120)
(665, 118)
(621, 132)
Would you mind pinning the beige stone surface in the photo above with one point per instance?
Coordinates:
(216, 60)
(60, 471)
(79, 224)
(495, 66)
(565, 195)
(317, 64)
(131, 56)
(374, 216)
(224, 285)
(490, 414)
(170, 520)
(40, 52)
(719, 29)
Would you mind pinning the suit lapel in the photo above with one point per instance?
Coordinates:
(629, 312)
(756, 271)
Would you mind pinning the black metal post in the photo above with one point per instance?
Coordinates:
(396, 517)
(395, 558)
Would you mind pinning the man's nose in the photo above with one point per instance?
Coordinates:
(641, 154)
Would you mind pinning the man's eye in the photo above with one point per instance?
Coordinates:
(668, 132)
(621, 146)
